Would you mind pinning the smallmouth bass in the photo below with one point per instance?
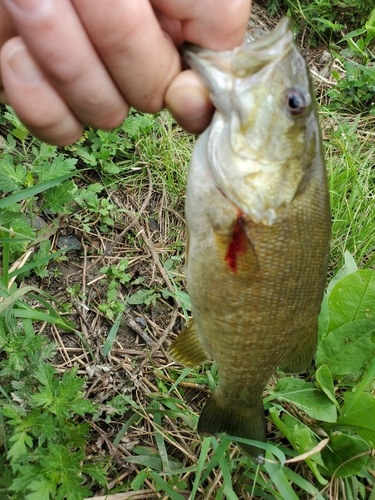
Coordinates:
(258, 222)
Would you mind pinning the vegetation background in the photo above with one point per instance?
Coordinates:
(92, 291)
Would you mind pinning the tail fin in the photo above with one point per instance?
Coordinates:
(244, 422)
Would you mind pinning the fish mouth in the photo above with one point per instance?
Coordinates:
(242, 61)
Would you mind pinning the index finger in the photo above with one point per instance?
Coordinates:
(139, 57)
(213, 24)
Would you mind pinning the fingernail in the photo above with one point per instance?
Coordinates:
(31, 8)
(23, 66)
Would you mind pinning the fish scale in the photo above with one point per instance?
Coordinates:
(258, 221)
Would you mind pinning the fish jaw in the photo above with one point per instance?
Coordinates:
(259, 152)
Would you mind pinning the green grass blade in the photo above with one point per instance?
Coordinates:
(184, 374)
(276, 472)
(173, 495)
(34, 190)
(159, 438)
(264, 446)
(36, 315)
(4, 241)
(132, 420)
(228, 488)
(112, 335)
(302, 483)
(38, 262)
(13, 298)
(3, 438)
(79, 335)
(220, 449)
(201, 465)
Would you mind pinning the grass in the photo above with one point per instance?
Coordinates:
(350, 152)
(90, 402)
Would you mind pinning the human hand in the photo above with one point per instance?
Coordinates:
(77, 62)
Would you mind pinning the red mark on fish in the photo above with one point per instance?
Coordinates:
(238, 245)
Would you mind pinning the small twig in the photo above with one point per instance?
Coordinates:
(159, 342)
(57, 335)
(130, 495)
(18, 265)
(115, 482)
(84, 269)
(134, 326)
(71, 361)
(189, 385)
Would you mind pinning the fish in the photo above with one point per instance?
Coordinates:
(258, 229)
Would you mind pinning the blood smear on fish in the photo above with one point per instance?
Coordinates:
(237, 246)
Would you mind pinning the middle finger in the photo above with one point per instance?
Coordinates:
(142, 61)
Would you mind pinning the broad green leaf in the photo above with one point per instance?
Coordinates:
(8, 177)
(142, 297)
(324, 380)
(366, 69)
(13, 414)
(323, 318)
(352, 298)
(45, 373)
(95, 471)
(358, 413)
(347, 348)
(58, 197)
(42, 487)
(20, 441)
(330, 24)
(306, 397)
(300, 437)
(344, 456)
(349, 267)
(59, 167)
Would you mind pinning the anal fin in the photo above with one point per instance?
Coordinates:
(187, 349)
(243, 422)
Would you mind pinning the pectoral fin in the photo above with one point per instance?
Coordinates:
(187, 349)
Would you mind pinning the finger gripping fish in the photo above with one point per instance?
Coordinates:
(258, 221)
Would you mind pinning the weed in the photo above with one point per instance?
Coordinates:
(355, 91)
(324, 17)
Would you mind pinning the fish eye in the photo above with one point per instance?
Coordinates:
(295, 102)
